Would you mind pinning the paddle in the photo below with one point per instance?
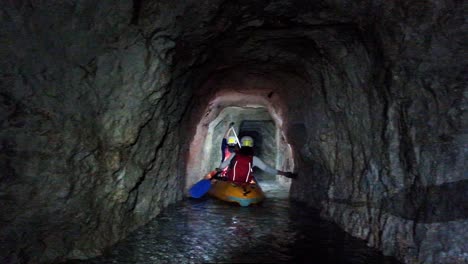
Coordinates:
(202, 186)
(237, 139)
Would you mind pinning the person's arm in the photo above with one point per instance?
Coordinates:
(257, 162)
(224, 141)
(226, 134)
(225, 163)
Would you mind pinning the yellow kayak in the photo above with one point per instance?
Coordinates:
(243, 194)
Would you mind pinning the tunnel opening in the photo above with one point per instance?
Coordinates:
(252, 117)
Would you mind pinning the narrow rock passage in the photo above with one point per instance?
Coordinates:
(109, 112)
(211, 231)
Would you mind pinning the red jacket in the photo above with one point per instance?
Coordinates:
(240, 169)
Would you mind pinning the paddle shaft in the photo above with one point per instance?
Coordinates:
(237, 139)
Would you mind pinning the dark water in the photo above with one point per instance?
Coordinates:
(211, 231)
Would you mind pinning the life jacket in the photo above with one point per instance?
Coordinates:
(240, 169)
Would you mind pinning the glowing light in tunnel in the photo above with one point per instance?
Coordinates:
(217, 110)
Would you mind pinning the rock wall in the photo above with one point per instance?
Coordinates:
(387, 143)
(100, 101)
(89, 138)
(374, 106)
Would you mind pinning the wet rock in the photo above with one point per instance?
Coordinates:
(88, 126)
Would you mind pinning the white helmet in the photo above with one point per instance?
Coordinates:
(247, 141)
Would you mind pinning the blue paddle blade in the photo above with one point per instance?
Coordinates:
(200, 188)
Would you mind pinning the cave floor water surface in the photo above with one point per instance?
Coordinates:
(211, 231)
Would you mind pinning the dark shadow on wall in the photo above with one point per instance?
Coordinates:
(426, 204)
(136, 11)
(430, 204)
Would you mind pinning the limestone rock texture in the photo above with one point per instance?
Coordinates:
(89, 116)
(105, 106)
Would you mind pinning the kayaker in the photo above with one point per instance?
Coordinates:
(240, 164)
(228, 147)
(228, 144)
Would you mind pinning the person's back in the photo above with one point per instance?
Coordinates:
(241, 166)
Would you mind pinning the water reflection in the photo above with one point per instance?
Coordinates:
(211, 231)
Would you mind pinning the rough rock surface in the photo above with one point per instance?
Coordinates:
(99, 101)
(89, 138)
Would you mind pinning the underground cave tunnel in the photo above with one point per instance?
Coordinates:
(108, 110)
